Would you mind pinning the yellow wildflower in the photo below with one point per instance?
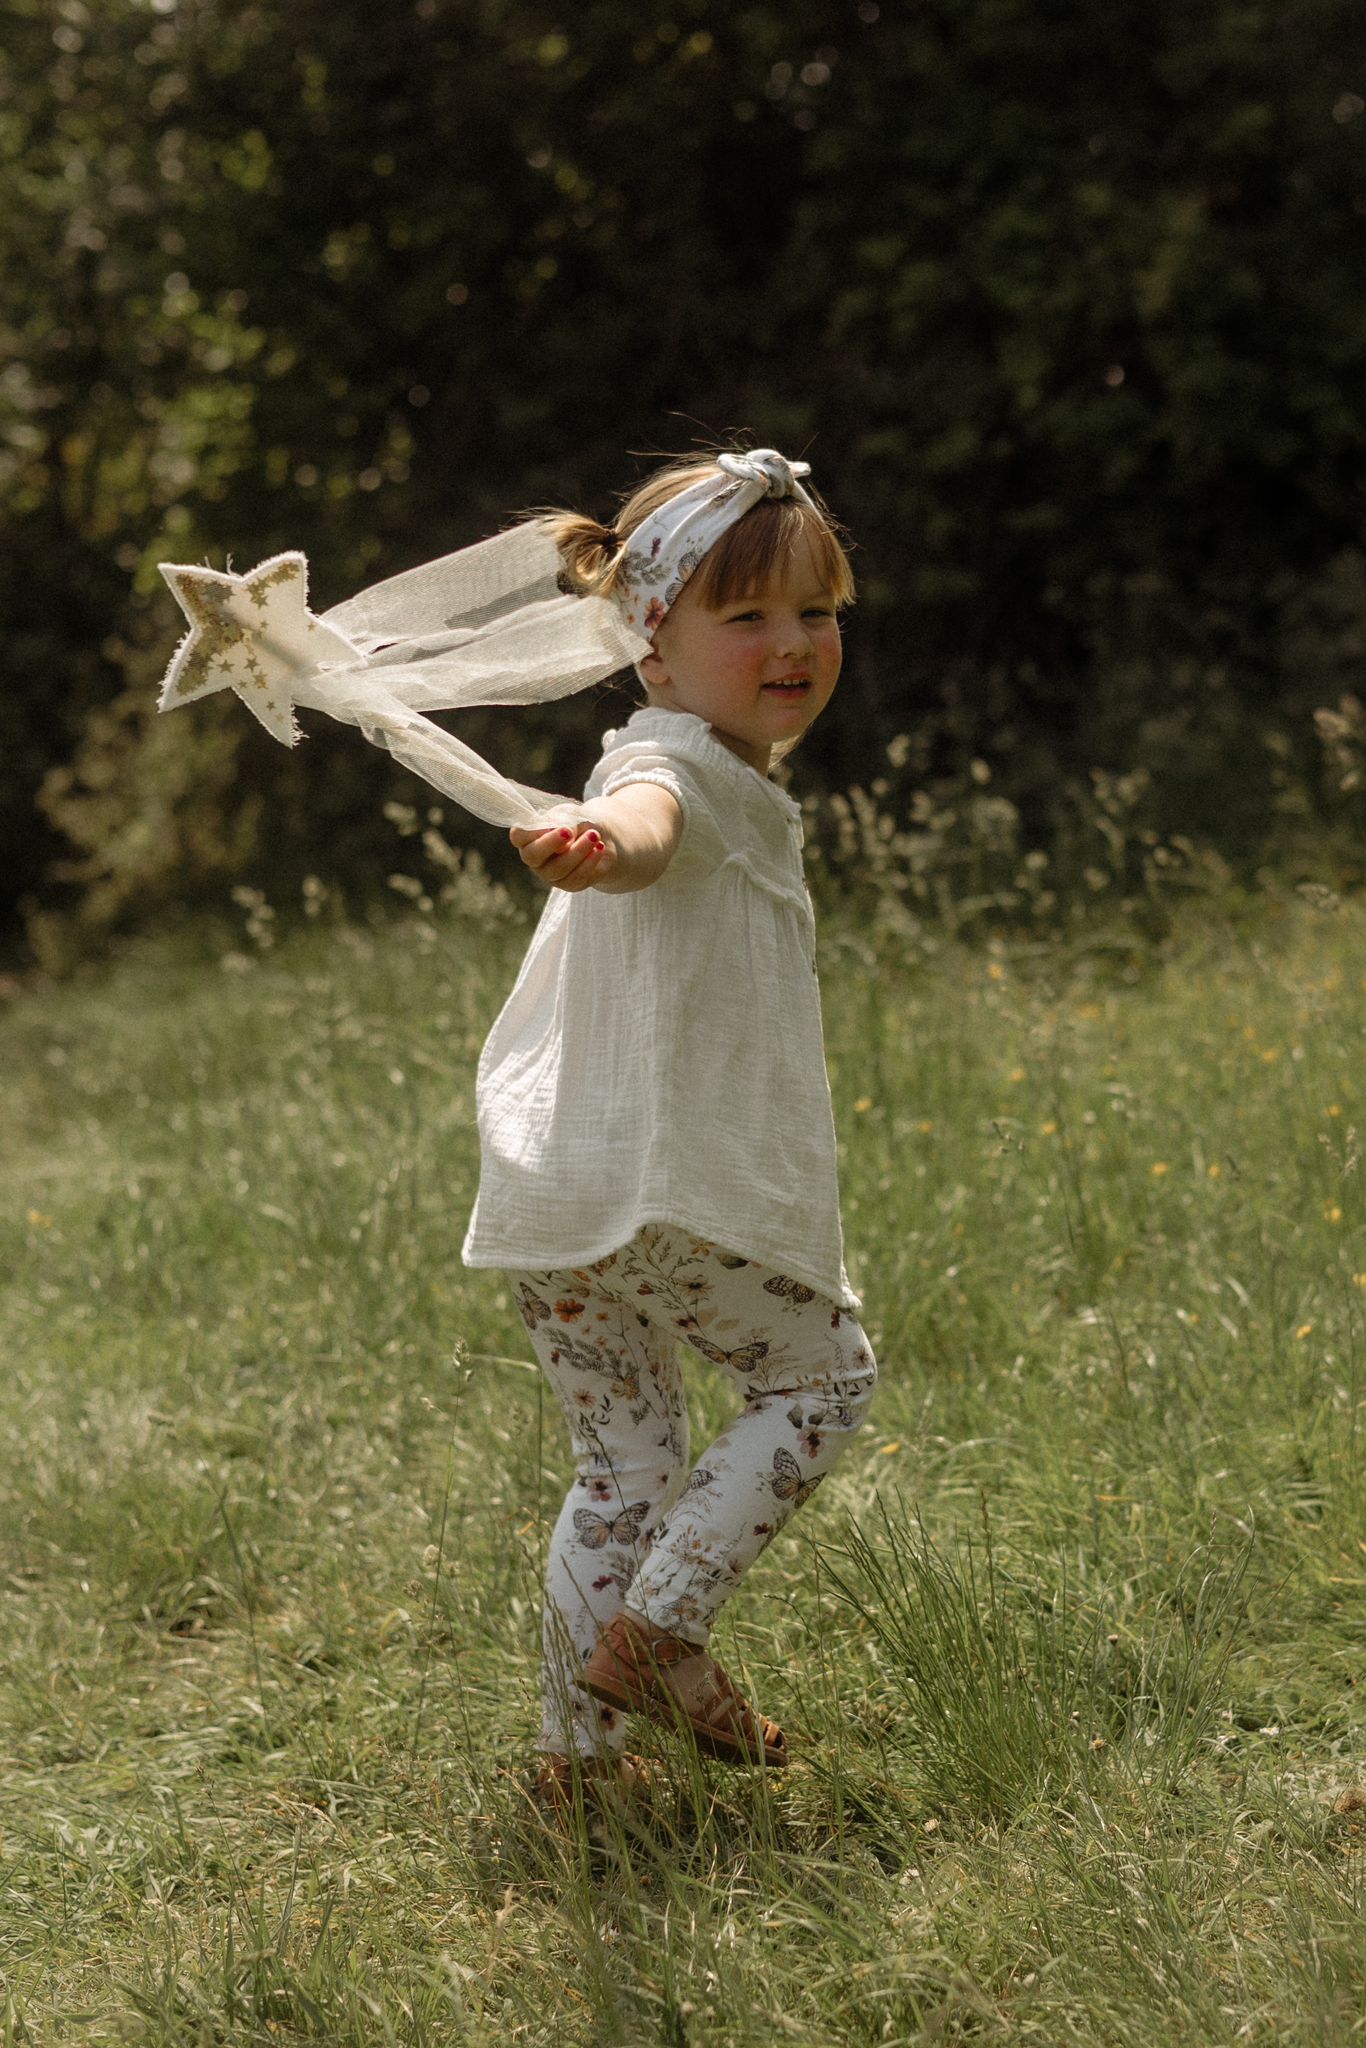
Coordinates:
(1158, 1168)
(864, 1102)
(1303, 1331)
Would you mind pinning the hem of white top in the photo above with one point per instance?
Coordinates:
(762, 1254)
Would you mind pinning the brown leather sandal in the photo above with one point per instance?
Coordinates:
(629, 1670)
(625, 1778)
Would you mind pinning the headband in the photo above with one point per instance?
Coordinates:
(486, 625)
(667, 546)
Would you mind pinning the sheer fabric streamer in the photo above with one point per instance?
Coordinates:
(487, 625)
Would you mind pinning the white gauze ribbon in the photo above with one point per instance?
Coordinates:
(487, 625)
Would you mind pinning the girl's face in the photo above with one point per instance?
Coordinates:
(758, 670)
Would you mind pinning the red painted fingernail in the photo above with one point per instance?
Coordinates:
(565, 832)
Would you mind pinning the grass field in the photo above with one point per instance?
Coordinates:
(1070, 1650)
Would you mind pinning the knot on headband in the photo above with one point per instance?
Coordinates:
(767, 467)
(665, 549)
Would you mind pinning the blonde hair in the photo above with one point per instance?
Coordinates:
(760, 545)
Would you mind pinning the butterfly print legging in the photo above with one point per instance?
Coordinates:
(638, 1528)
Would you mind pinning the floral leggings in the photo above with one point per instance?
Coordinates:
(638, 1529)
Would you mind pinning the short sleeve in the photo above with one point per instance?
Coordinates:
(703, 845)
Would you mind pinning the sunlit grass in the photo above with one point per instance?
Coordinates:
(1069, 1648)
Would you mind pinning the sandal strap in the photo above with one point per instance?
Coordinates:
(629, 1774)
(641, 1654)
(741, 1717)
(662, 1644)
(641, 1647)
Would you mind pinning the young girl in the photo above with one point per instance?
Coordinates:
(657, 1142)
(658, 1150)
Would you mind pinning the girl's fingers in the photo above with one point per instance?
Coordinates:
(581, 862)
(537, 845)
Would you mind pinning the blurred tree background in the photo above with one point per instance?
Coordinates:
(1065, 301)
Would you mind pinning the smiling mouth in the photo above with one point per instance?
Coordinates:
(791, 686)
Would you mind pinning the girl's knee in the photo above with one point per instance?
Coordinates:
(837, 1400)
(864, 1384)
(858, 1368)
(857, 1393)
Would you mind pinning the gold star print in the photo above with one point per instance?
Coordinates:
(253, 634)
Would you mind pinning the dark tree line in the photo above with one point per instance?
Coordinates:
(1064, 299)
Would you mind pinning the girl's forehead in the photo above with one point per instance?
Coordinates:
(792, 589)
(799, 575)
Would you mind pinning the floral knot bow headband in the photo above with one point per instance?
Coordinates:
(665, 549)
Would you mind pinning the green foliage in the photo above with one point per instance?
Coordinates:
(1065, 303)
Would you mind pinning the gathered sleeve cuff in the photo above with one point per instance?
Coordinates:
(703, 845)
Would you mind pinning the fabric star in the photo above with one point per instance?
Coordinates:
(253, 634)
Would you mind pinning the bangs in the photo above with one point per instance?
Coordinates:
(760, 550)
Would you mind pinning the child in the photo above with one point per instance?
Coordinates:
(658, 1152)
(658, 1149)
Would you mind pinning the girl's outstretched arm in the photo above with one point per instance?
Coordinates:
(617, 843)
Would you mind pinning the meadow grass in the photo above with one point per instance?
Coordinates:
(1069, 1649)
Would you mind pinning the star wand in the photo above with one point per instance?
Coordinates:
(487, 625)
(253, 634)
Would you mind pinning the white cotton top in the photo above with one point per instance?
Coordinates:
(660, 1057)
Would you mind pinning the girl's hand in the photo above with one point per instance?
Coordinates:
(564, 856)
(618, 843)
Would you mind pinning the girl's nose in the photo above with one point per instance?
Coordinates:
(794, 636)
